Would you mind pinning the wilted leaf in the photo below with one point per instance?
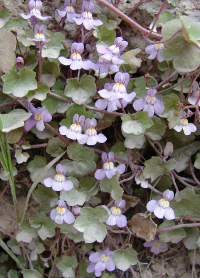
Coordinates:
(143, 226)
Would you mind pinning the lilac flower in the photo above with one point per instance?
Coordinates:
(68, 11)
(162, 208)
(39, 116)
(76, 210)
(194, 97)
(154, 50)
(116, 217)
(75, 61)
(140, 179)
(109, 170)
(19, 63)
(34, 12)
(105, 66)
(188, 128)
(62, 213)
(86, 16)
(106, 102)
(40, 36)
(113, 52)
(75, 130)
(101, 261)
(119, 89)
(91, 50)
(92, 136)
(149, 103)
(156, 245)
(59, 182)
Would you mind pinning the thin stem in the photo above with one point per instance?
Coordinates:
(174, 182)
(158, 42)
(136, 6)
(132, 271)
(157, 18)
(155, 190)
(40, 66)
(130, 178)
(166, 80)
(57, 133)
(129, 20)
(178, 227)
(193, 175)
(59, 24)
(189, 217)
(154, 147)
(180, 179)
(19, 47)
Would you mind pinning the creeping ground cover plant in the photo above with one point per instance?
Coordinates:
(100, 149)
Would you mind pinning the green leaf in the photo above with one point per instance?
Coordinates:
(19, 84)
(35, 167)
(185, 85)
(75, 109)
(55, 146)
(190, 241)
(40, 93)
(89, 223)
(87, 183)
(14, 119)
(197, 161)
(171, 104)
(140, 88)
(174, 2)
(119, 150)
(183, 155)
(27, 273)
(174, 119)
(112, 186)
(21, 157)
(80, 91)
(15, 135)
(36, 248)
(134, 141)
(136, 124)
(191, 30)
(124, 258)
(52, 49)
(53, 104)
(106, 37)
(174, 236)
(12, 274)
(82, 160)
(44, 225)
(157, 130)
(66, 265)
(187, 203)
(26, 233)
(4, 17)
(110, 24)
(156, 167)
(164, 17)
(106, 121)
(130, 59)
(185, 55)
(44, 195)
(14, 246)
(7, 48)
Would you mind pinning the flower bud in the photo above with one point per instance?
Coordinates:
(159, 28)
(76, 210)
(147, 77)
(19, 63)
(14, 31)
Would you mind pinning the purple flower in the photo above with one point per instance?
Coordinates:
(106, 102)
(91, 50)
(59, 182)
(68, 10)
(101, 261)
(113, 52)
(76, 210)
(40, 36)
(188, 128)
(194, 97)
(154, 50)
(75, 130)
(162, 208)
(75, 61)
(140, 179)
(116, 217)
(39, 116)
(105, 66)
(149, 103)
(92, 136)
(109, 170)
(86, 16)
(19, 63)
(156, 245)
(119, 89)
(34, 12)
(62, 213)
